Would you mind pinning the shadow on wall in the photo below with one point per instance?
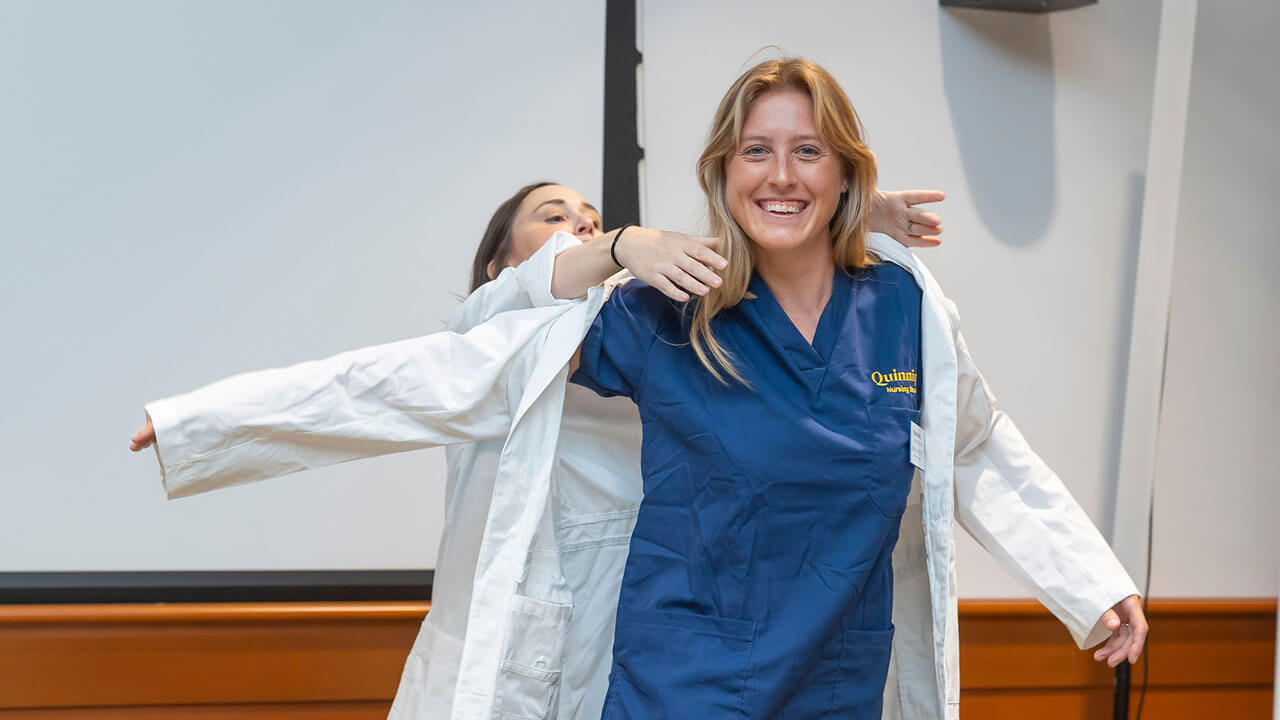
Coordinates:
(997, 72)
(1120, 364)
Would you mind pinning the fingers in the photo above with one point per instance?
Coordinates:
(915, 197)
(927, 241)
(705, 276)
(1139, 642)
(1137, 620)
(686, 281)
(142, 440)
(668, 288)
(1129, 632)
(1111, 620)
(1108, 648)
(1116, 647)
(922, 217)
(707, 256)
(1126, 637)
(695, 271)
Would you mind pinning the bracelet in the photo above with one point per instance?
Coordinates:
(613, 249)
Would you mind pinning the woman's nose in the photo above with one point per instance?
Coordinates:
(583, 227)
(780, 173)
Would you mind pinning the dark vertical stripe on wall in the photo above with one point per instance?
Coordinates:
(622, 151)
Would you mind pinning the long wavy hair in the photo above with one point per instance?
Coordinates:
(838, 123)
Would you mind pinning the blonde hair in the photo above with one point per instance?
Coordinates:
(839, 126)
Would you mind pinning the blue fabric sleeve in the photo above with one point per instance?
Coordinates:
(617, 346)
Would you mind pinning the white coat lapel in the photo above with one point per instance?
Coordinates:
(520, 500)
(939, 416)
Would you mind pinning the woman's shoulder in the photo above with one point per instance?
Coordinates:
(646, 306)
(887, 272)
(641, 297)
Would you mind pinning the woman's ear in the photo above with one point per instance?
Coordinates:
(492, 269)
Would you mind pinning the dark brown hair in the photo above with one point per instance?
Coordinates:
(495, 244)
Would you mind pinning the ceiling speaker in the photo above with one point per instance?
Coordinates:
(1028, 6)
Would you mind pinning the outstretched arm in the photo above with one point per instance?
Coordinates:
(1009, 500)
(434, 390)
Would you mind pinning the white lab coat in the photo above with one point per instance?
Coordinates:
(544, 485)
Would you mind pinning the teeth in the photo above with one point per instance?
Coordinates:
(781, 207)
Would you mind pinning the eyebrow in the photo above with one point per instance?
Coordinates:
(798, 138)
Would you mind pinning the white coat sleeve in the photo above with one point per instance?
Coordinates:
(516, 288)
(1009, 500)
(434, 390)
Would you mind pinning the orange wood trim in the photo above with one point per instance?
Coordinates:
(1156, 607)
(373, 611)
(212, 612)
(1209, 658)
(1017, 645)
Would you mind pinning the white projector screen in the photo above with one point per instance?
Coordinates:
(193, 190)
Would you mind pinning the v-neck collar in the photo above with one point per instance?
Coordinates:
(808, 360)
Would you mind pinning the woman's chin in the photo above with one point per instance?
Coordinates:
(773, 240)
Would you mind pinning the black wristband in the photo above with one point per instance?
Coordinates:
(613, 249)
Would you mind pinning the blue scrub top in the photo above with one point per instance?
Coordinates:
(759, 581)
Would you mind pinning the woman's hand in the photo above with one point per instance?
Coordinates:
(895, 215)
(1128, 626)
(673, 263)
(144, 438)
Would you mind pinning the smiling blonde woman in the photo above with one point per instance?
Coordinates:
(760, 576)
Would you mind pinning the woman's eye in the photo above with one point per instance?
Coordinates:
(754, 151)
(809, 151)
(555, 218)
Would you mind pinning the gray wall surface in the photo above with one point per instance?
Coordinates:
(191, 190)
(1216, 493)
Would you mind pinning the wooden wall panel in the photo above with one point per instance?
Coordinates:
(1208, 659)
(342, 661)
(87, 656)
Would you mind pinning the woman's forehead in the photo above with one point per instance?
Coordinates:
(555, 196)
(781, 112)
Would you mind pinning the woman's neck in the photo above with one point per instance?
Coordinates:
(799, 278)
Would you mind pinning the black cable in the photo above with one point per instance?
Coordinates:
(1120, 702)
(1151, 516)
(1146, 597)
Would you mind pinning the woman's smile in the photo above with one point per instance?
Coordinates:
(782, 209)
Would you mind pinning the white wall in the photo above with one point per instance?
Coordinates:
(1036, 126)
(1216, 493)
(195, 189)
(192, 190)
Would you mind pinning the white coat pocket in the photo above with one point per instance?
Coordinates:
(529, 682)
